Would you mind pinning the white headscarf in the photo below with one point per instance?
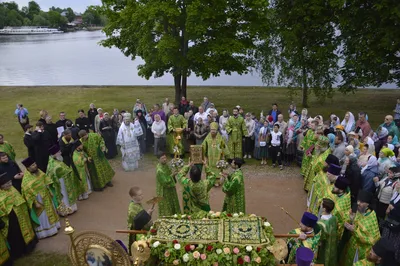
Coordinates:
(372, 161)
(349, 125)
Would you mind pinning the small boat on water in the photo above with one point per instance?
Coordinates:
(29, 31)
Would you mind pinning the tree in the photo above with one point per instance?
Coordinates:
(11, 6)
(27, 22)
(33, 9)
(301, 50)
(186, 36)
(70, 14)
(14, 18)
(56, 20)
(92, 16)
(371, 43)
(3, 16)
(57, 9)
(39, 20)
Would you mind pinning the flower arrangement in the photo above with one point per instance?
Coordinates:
(222, 164)
(176, 253)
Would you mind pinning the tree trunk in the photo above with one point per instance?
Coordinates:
(178, 88)
(184, 85)
(305, 88)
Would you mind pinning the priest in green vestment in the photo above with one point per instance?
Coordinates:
(5, 257)
(175, 121)
(327, 253)
(79, 165)
(138, 218)
(314, 195)
(233, 188)
(305, 239)
(64, 182)
(166, 188)
(307, 145)
(318, 158)
(7, 148)
(341, 197)
(17, 230)
(214, 148)
(236, 129)
(100, 169)
(195, 192)
(39, 194)
(327, 186)
(364, 231)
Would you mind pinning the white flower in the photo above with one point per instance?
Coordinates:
(201, 246)
(241, 213)
(210, 212)
(249, 248)
(219, 251)
(183, 215)
(235, 215)
(177, 246)
(213, 215)
(185, 257)
(266, 224)
(156, 244)
(175, 216)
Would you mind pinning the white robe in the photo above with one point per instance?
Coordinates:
(127, 139)
(45, 229)
(65, 198)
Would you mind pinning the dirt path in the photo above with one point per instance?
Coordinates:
(266, 189)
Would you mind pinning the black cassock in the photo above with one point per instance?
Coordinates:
(12, 168)
(66, 149)
(42, 142)
(108, 134)
(30, 145)
(18, 248)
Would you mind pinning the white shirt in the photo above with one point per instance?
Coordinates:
(276, 138)
(250, 125)
(158, 128)
(203, 116)
(326, 217)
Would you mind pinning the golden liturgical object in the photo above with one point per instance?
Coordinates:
(279, 249)
(177, 140)
(140, 252)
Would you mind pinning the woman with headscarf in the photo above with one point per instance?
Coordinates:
(319, 119)
(304, 114)
(384, 159)
(349, 122)
(395, 142)
(139, 106)
(142, 138)
(320, 153)
(334, 121)
(107, 129)
(368, 173)
(371, 146)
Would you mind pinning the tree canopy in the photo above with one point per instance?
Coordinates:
(32, 15)
(187, 36)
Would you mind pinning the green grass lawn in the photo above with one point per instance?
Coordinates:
(377, 103)
(44, 259)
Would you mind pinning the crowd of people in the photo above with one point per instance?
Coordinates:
(350, 172)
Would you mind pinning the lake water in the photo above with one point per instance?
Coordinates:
(77, 59)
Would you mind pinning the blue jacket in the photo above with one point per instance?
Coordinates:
(367, 177)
